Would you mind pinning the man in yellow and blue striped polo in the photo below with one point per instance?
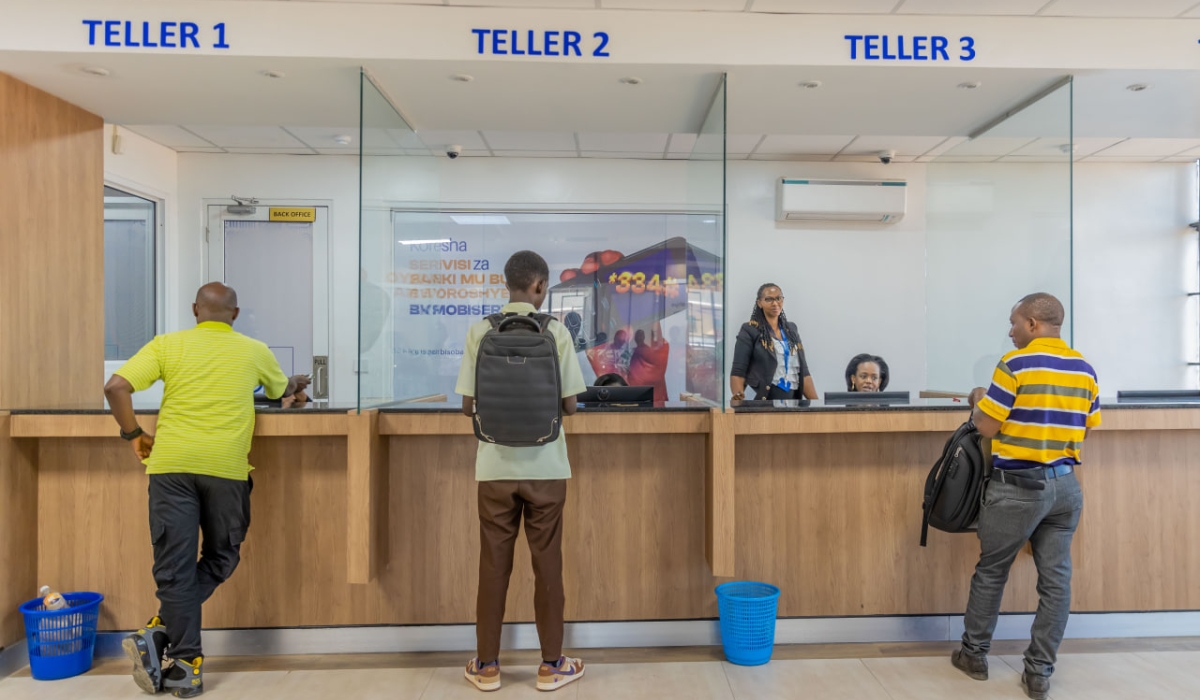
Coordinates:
(199, 473)
(1043, 399)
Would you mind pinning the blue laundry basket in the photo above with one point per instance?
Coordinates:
(748, 612)
(61, 642)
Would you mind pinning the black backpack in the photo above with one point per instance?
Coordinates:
(518, 388)
(954, 487)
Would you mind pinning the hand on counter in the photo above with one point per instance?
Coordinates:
(297, 399)
(142, 445)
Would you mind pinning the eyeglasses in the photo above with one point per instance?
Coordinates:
(772, 300)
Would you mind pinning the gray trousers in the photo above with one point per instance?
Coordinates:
(182, 506)
(1012, 516)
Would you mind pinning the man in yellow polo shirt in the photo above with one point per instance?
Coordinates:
(199, 473)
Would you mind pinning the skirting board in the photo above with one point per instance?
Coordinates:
(591, 635)
(13, 658)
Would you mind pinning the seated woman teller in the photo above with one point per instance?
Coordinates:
(866, 373)
(769, 356)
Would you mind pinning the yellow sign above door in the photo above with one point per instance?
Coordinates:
(308, 214)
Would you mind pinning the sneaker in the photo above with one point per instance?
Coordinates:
(970, 664)
(554, 677)
(185, 679)
(486, 678)
(144, 648)
(1036, 687)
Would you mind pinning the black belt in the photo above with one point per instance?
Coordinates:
(1034, 478)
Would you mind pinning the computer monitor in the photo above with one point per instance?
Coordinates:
(1164, 396)
(617, 396)
(878, 398)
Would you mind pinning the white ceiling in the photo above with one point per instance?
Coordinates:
(226, 104)
(1042, 8)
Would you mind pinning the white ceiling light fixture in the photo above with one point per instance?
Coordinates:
(274, 73)
(96, 71)
(632, 80)
(462, 78)
(343, 140)
(969, 85)
(480, 220)
(1138, 87)
(811, 84)
(425, 241)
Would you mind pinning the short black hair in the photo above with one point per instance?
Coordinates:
(852, 369)
(524, 269)
(1043, 307)
(610, 379)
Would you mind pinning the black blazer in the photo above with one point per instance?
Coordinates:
(757, 364)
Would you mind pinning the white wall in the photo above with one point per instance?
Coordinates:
(849, 288)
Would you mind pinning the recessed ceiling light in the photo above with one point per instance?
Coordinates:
(343, 139)
(970, 85)
(462, 77)
(95, 70)
(274, 73)
(1137, 87)
(631, 80)
(811, 84)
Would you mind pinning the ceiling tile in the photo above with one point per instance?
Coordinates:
(989, 146)
(295, 150)
(199, 149)
(535, 154)
(803, 145)
(555, 4)
(169, 136)
(1051, 147)
(1151, 147)
(1117, 8)
(808, 158)
(323, 137)
(833, 7)
(338, 151)
(1180, 159)
(741, 143)
(530, 140)
(943, 147)
(964, 159)
(975, 7)
(1120, 159)
(247, 136)
(639, 143)
(856, 158)
(404, 138)
(902, 145)
(682, 143)
(639, 155)
(438, 140)
(713, 5)
(1192, 13)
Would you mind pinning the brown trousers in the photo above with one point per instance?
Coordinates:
(501, 506)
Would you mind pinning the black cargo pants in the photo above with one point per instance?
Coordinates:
(182, 506)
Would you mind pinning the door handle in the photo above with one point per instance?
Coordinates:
(320, 376)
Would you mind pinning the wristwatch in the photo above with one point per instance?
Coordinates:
(132, 434)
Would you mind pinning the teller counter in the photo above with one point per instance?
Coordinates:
(369, 518)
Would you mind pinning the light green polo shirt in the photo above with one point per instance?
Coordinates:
(209, 375)
(502, 463)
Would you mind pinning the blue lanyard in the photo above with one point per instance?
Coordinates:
(784, 383)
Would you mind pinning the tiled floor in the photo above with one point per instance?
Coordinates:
(1161, 675)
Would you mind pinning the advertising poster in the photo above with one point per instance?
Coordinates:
(641, 294)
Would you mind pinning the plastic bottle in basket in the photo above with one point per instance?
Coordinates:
(52, 599)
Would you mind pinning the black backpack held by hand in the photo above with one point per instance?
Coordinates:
(518, 388)
(954, 487)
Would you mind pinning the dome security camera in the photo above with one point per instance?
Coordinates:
(453, 151)
(886, 157)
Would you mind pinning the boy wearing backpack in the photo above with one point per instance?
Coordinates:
(526, 481)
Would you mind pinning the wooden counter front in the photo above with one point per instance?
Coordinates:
(371, 519)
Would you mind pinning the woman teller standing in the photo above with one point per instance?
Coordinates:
(769, 356)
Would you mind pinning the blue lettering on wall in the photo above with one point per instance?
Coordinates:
(152, 35)
(538, 42)
(888, 47)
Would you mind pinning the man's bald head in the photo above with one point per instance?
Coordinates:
(216, 302)
(1043, 308)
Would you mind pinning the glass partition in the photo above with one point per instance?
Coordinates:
(998, 217)
(640, 286)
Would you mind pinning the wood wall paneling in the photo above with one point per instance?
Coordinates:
(51, 250)
(719, 522)
(18, 530)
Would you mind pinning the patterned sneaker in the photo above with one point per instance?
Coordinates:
(568, 670)
(185, 679)
(486, 678)
(144, 649)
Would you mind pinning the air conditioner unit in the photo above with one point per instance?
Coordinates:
(881, 201)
